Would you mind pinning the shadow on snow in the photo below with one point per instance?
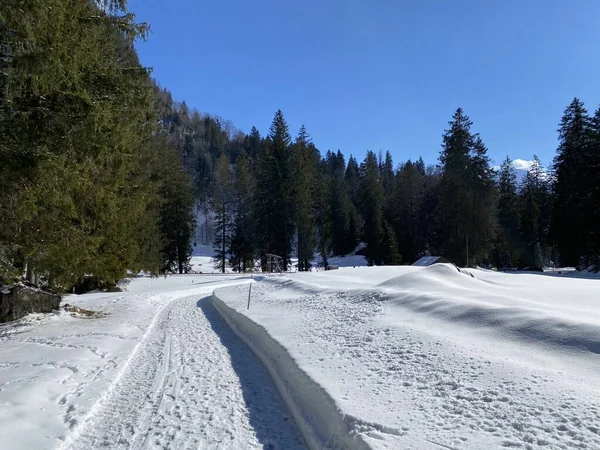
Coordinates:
(268, 416)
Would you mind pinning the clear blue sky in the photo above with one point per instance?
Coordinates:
(381, 74)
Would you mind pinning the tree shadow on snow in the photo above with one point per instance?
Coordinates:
(274, 427)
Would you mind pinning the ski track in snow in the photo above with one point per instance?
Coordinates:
(190, 384)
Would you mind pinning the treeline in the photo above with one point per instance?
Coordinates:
(91, 179)
(89, 185)
(278, 194)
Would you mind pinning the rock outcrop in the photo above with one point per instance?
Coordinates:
(18, 300)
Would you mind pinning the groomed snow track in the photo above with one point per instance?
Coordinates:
(321, 422)
(190, 383)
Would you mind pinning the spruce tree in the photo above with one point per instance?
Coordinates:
(222, 201)
(466, 203)
(76, 126)
(274, 203)
(570, 164)
(371, 199)
(405, 206)
(389, 248)
(176, 212)
(305, 160)
(507, 239)
(533, 210)
(323, 212)
(340, 206)
(242, 244)
(591, 199)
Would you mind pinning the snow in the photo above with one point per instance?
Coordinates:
(359, 358)
(429, 357)
(156, 368)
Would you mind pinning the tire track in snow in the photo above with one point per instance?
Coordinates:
(191, 384)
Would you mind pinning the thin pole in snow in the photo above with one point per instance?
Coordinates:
(249, 292)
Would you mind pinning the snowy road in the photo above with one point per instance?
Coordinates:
(190, 384)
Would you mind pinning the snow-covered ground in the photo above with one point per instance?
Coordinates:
(433, 358)
(157, 368)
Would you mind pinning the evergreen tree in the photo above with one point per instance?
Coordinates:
(340, 206)
(591, 199)
(76, 130)
(176, 213)
(371, 197)
(466, 203)
(569, 185)
(323, 212)
(305, 162)
(389, 247)
(252, 143)
(274, 205)
(242, 245)
(352, 178)
(482, 226)
(405, 207)
(507, 241)
(533, 209)
(222, 201)
(387, 174)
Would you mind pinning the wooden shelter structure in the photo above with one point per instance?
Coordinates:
(274, 263)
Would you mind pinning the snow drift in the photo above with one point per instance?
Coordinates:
(431, 357)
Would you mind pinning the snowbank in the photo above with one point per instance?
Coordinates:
(317, 416)
(431, 357)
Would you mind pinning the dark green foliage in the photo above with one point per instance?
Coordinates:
(389, 247)
(274, 202)
(570, 190)
(340, 207)
(305, 160)
(506, 251)
(371, 200)
(80, 179)
(223, 204)
(176, 213)
(533, 214)
(101, 170)
(242, 244)
(466, 203)
(404, 206)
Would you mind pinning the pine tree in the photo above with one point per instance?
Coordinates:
(371, 197)
(222, 201)
(569, 188)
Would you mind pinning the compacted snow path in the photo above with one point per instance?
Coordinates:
(191, 384)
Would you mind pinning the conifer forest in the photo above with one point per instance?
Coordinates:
(103, 172)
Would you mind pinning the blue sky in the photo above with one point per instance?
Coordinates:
(381, 74)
